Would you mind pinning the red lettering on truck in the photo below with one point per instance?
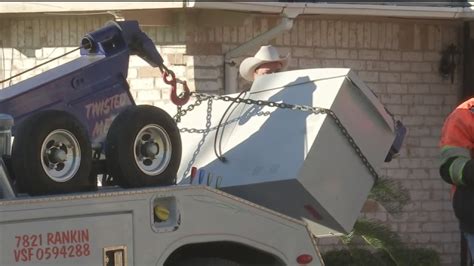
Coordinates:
(52, 245)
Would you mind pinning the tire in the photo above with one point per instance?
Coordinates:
(207, 262)
(51, 154)
(143, 147)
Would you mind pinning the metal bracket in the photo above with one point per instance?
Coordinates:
(115, 256)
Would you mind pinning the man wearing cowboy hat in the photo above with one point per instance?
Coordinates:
(266, 61)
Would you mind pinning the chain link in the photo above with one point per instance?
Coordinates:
(203, 138)
(182, 112)
(304, 108)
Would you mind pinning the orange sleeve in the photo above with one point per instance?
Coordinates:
(458, 128)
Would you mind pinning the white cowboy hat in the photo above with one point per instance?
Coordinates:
(265, 54)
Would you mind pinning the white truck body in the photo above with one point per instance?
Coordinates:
(117, 227)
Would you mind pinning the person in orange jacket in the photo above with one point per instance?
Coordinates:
(457, 165)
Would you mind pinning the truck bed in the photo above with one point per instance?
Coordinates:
(91, 228)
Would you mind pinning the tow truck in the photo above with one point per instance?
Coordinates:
(276, 190)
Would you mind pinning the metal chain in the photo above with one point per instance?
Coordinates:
(181, 112)
(202, 140)
(206, 130)
(304, 108)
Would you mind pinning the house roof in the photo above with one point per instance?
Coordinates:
(406, 8)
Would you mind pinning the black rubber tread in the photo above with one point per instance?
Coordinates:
(26, 154)
(119, 147)
(207, 262)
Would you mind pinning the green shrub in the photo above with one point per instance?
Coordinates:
(363, 257)
(423, 257)
(355, 257)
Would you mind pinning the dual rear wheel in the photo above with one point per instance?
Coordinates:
(143, 147)
(52, 153)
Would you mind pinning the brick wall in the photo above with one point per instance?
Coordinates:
(29, 41)
(397, 58)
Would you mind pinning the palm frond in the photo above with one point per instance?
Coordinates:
(379, 236)
(390, 194)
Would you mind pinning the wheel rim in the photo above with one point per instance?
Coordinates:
(60, 155)
(152, 149)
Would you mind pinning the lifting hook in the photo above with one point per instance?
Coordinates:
(170, 78)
